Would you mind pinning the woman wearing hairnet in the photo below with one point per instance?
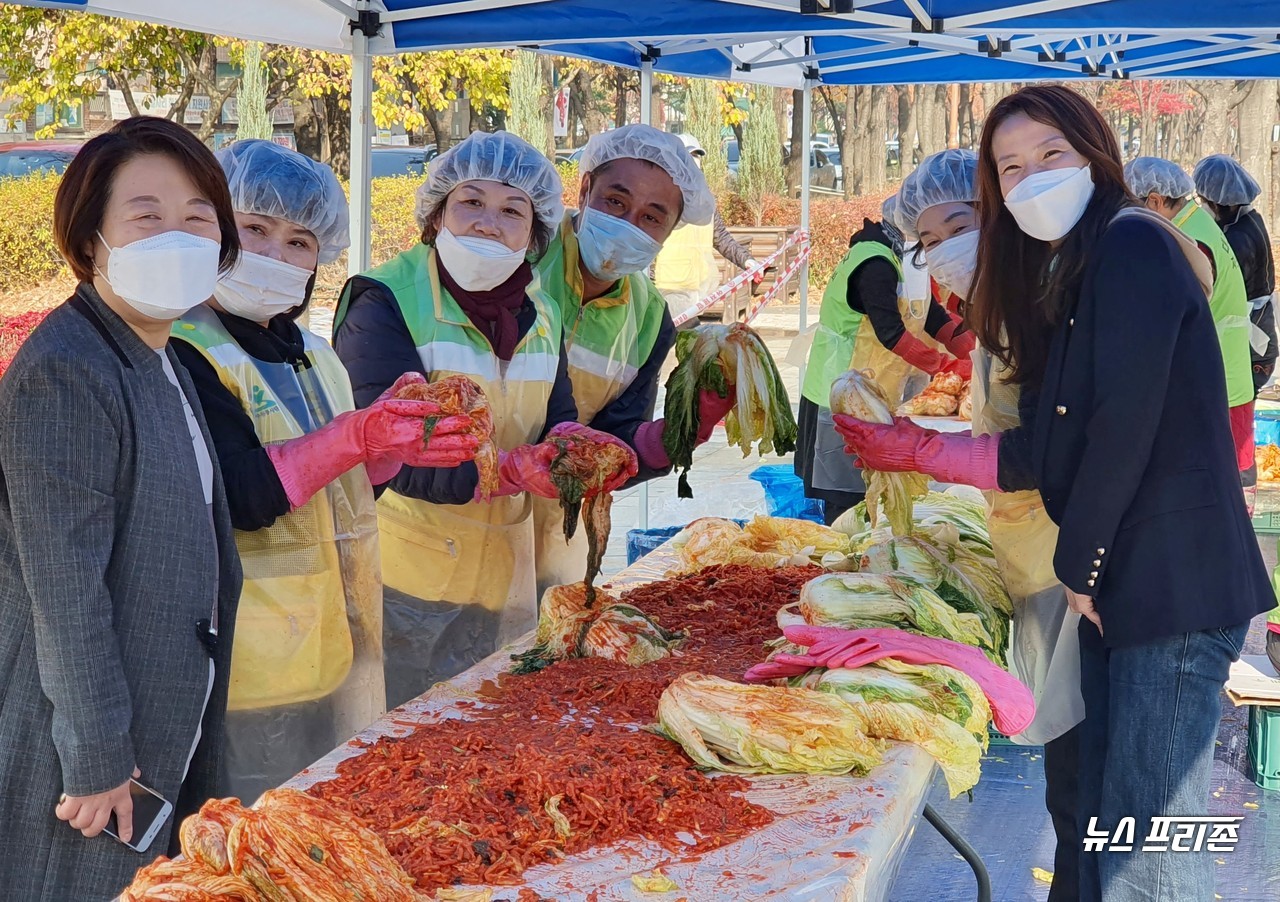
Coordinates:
(1166, 189)
(867, 321)
(458, 572)
(638, 185)
(306, 664)
(1228, 192)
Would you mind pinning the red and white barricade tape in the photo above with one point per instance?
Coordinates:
(728, 288)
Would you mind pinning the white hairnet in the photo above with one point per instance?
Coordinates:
(1224, 181)
(691, 144)
(271, 180)
(1164, 177)
(946, 177)
(494, 157)
(644, 142)
(889, 218)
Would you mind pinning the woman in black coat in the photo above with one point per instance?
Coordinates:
(1101, 310)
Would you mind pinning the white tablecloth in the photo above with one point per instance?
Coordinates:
(835, 839)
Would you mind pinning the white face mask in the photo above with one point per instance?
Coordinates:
(165, 275)
(611, 247)
(259, 287)
(915, 280)
(477, 264)
(952, 262)
(1048, 204)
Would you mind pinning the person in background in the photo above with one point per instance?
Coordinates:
(118, 571)
(458, 572)
(686, 270)
(1099, 309)
(638, 185)
(866, 321)
(297, 459)
(1166, 189)
(1227, 191)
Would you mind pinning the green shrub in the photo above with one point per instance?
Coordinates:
(28, 256)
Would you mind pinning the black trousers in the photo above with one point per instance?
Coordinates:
(1061, 774)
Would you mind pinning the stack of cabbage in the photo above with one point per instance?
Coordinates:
(762, 542)
(948, 557)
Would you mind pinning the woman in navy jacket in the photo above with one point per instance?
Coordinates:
(1125, 433)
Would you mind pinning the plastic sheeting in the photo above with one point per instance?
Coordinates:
(836, 839)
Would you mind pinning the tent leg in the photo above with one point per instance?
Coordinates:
(646, 117)
(646, 92)
(806, 123)
(358, 258)
(967, 852)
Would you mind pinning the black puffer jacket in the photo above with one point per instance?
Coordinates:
(1247, 234)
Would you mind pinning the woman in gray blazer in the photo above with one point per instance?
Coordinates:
(118, 571)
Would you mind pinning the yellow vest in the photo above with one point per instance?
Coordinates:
(311, 605)
(687, 261)
(480, 552)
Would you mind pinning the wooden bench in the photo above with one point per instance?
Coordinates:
(761, 242)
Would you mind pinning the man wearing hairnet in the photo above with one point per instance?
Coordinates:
(1165, 188)
(686, 270)
(638, 185)
(457, 563)
(306, 663)
(1227, 191)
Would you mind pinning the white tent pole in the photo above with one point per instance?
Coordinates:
(806, 126)
(646, 116)
(646, 90)
(358, 258)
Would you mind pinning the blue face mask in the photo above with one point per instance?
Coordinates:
(611, 247)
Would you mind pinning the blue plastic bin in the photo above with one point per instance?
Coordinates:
(784, 493)
(641, 541)
(1266, 427)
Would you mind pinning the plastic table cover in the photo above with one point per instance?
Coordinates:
(835, 839)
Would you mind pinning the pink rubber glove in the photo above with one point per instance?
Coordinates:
(383, 469)
(385, 429)
(920, 355)
(711, 410)
(587, 434)
(527, 469)
(1012, 704)
(905, 447)
(959, 341)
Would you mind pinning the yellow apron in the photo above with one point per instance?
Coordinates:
(1044, 648)
(899, 379)
(459, 578)
(309, 623)
(687, 262)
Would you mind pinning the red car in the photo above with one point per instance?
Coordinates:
(27, 157)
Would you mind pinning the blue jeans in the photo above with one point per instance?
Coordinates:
(1146, 750)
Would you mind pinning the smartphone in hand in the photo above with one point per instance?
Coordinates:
(150, 811)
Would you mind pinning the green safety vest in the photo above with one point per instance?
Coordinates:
(608, 339)
(840, 331)
(478, 552)
(1229, 302)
